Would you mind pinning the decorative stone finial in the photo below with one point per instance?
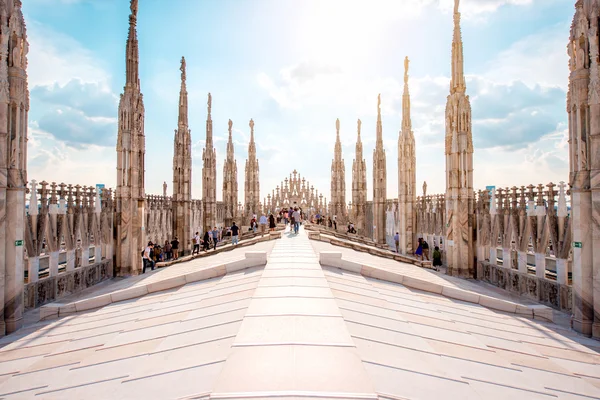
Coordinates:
(424, 189)
(406, 62)
(134, 7)
(182, 69)
(209, 103)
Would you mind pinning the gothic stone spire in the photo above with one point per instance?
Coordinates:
(230, 182)
(459, 166)
(131, 149)
(379, 181)
(182, 169)
(359, 186)
(338, 180)
(252, 183)
(209, 175)
(406, 173)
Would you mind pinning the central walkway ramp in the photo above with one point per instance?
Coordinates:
(293, 340)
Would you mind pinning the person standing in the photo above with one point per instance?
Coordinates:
(146, 258)
(397, 241)
(175, 248)
(272, 223)
(437, 258)
(215, 237)
(196, 241)
(263, 224)
(235, 230)
(419, 251)
(335, 222)
(168, 250)
(206, 240)
(425, 246)
(296, 217)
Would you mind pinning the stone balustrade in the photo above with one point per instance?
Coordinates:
(525, 229)
(66, 226)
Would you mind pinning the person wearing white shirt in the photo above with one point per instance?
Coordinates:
(147, 259)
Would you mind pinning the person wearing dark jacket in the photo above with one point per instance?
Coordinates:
(206, 240)
(272, 223)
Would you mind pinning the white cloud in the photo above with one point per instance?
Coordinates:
(56, 58)
(537, 59)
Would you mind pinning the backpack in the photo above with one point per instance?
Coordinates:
(143, 251)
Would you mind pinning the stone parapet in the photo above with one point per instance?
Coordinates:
(546, 291)
(53, 288)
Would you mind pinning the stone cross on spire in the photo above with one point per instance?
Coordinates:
(457, 84)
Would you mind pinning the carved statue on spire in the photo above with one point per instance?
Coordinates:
(456, 4)
(230, 126)
(252, 125)
(379, 102)
(359, 125)
(209, 103)
(182, 69)
(337, 125)
(424, 188)
(406, 62)
(134, 7)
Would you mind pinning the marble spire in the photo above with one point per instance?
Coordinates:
(230, 181)
(359, 186)
(251, 183)
(459, 166)
(583, 108)
(338, 181)
(131, 150)
(406, 174)
(209, 175)
(14, 109)
(379, 181)
(182, 170)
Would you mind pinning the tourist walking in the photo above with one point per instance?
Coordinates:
(215, 237)
(263, 224)
(206, 240)
(397, 241)
(296, 217)
(196, 241)
(235, 230)
(272, 223)
(437, 258)
(419, 251)
(146, 258)
(175, 248)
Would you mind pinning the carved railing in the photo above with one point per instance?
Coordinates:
(159, 219)
(63, 222)
(526, 228)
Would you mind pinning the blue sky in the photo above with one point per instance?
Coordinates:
(294, 67)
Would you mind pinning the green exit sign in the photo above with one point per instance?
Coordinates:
(577, 244)
(18, 243)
